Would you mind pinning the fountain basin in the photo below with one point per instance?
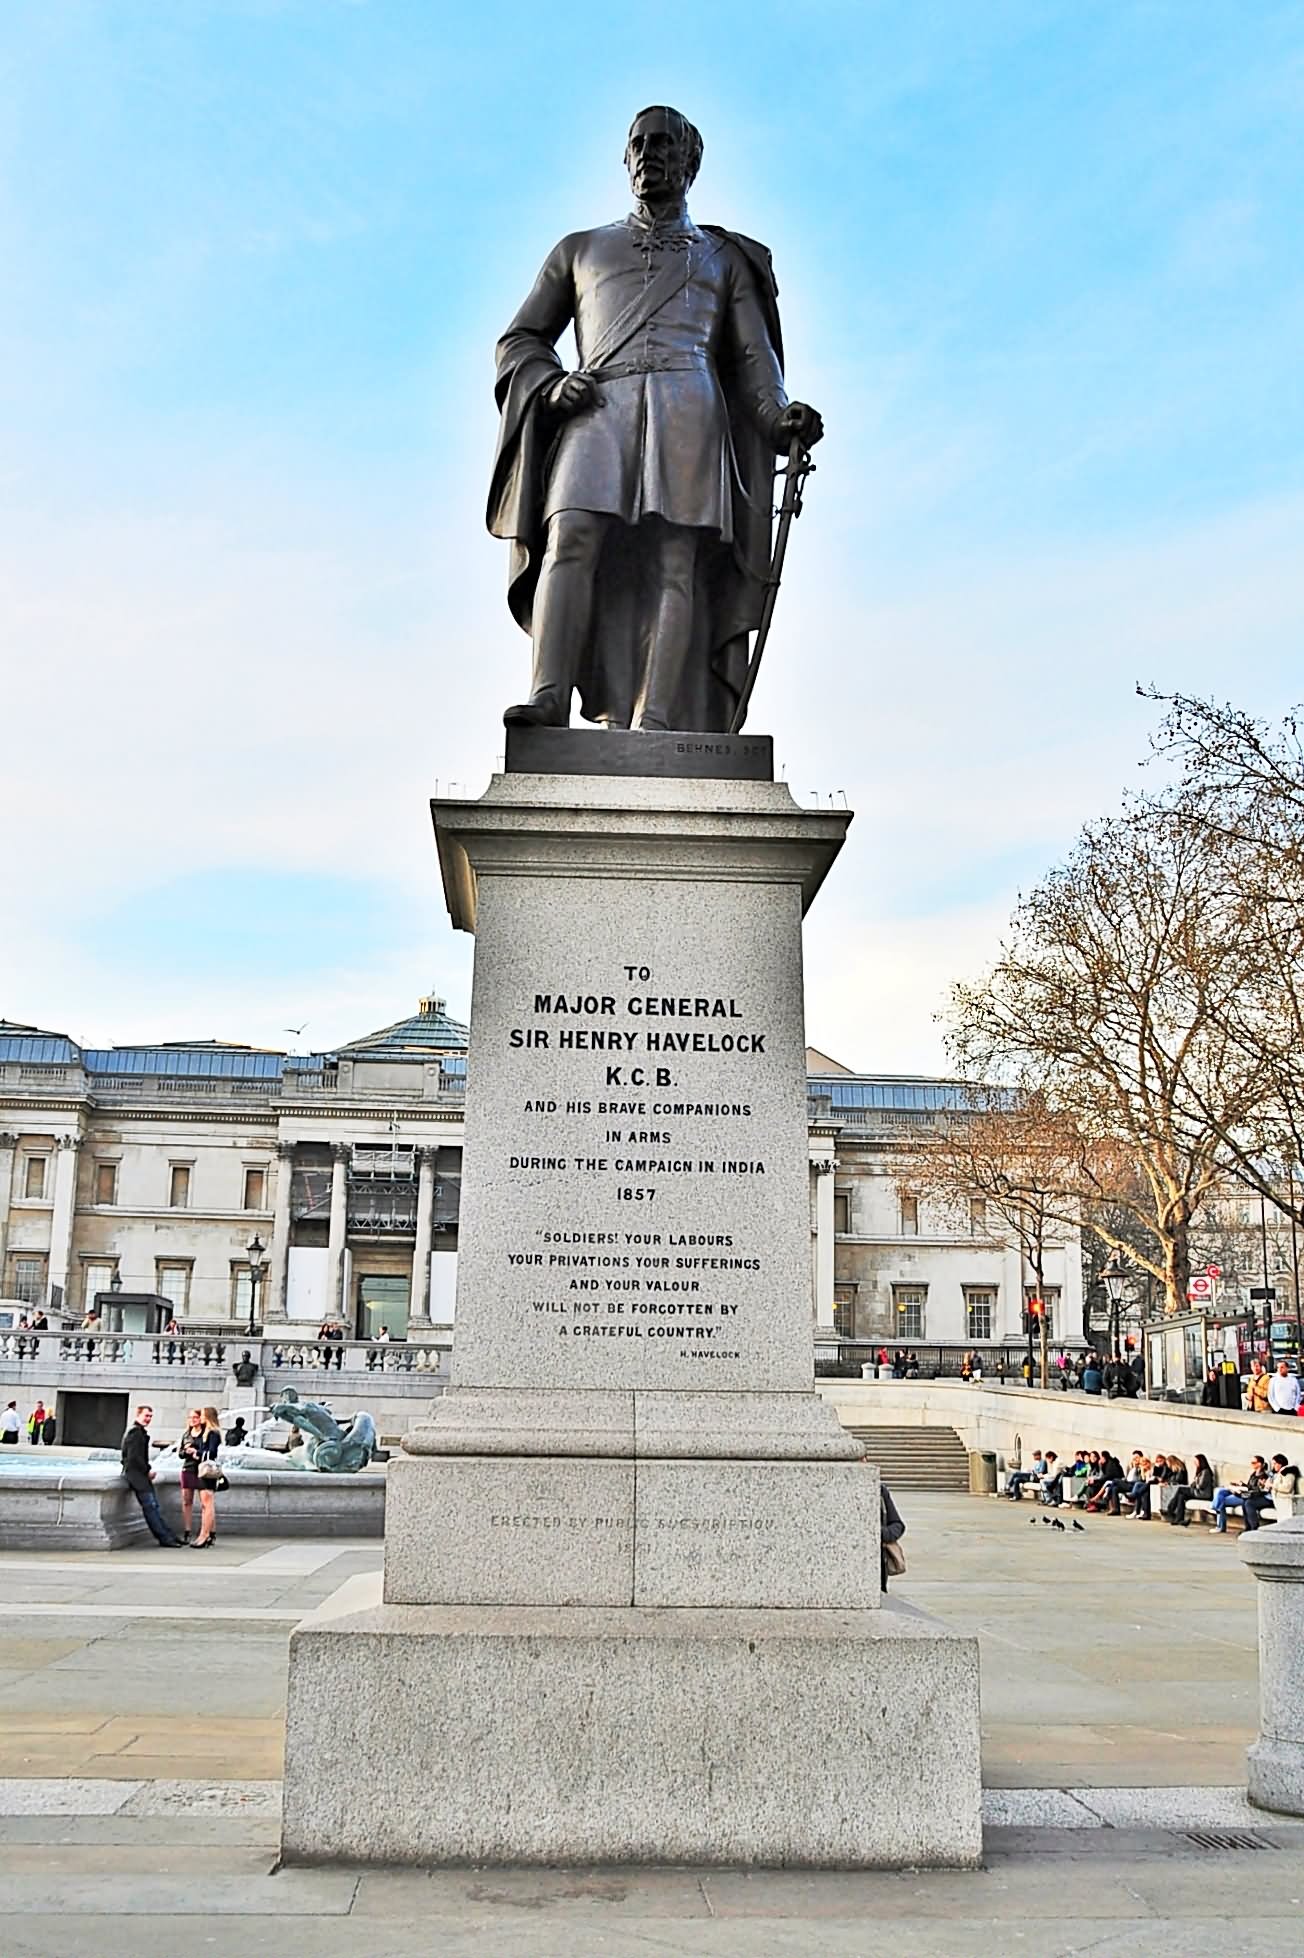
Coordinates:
(52, 1502)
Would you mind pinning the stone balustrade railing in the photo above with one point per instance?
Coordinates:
(42, 1353)
(351, 1356)
(44, 1356)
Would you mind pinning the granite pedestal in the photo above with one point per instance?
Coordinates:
(631, 1605)
(814, 1739)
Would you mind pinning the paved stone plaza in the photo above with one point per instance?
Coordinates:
(140, 1731)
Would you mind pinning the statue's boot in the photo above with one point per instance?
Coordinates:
(543, 709)
(656, 714)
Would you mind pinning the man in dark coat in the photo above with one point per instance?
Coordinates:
(636, 492)
(136, 1468)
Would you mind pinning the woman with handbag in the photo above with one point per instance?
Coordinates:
(891, 1557)
(209, 1477)
(188, 1449)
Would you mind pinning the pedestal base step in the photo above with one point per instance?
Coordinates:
(775, 1739)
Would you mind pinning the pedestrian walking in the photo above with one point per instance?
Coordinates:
(36, 1424)
(140, 1477)
(1256, 1388)
(49, 1428)
(10, 1425)
(1283, 1391)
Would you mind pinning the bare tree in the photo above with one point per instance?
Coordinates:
(1018, 1157)
(1114, 990)
(1240, 790)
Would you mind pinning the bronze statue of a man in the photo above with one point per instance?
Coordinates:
(636, 492)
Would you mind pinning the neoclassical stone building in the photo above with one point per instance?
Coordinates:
(906, 1271)
(153, 1169)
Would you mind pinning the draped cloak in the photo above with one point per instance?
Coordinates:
(642, 458)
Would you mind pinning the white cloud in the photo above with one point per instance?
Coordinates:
(280, 682)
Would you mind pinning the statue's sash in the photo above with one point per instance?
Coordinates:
(664, 286)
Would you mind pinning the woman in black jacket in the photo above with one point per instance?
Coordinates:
(206, 1447)
(1198, 1489)
(891, 1530)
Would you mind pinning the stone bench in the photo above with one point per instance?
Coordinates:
(1274, 1512)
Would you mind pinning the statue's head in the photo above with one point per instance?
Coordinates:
(663, 153)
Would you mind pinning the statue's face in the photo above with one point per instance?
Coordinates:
(656, 158)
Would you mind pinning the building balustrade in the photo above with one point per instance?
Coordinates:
(44, 1357)
(351, 1356)
(44, 1352)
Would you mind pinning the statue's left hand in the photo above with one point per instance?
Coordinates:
(798, 420)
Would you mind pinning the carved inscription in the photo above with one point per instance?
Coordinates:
(642, 1171)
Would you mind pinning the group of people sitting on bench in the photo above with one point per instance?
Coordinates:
(1096, 1478)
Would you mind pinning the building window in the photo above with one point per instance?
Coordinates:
(29, 1280)
(909, 1301)
(172, 1282)
(844, 1311)
(97, 1278)
(979, 1311)
(841, 1212)
(910, 1216)
(977, 1218)
(1032, 1320)
(34, 1177)
(255, 1189)
(106, 1183)
(242, 1291)
(179, 1186)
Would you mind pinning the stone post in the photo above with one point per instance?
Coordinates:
(8, 1144)
(65, 1206)
(824, 1168)
(1276, 1760)
(339, 1227)
(419, 1313)
(274, 1308)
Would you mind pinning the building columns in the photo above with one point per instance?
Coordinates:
(419, 1305)
(824, 1167)
(277, 1280)
(8, 1144)
(336, 1243)
(65, 1207)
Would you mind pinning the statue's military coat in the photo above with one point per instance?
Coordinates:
(682, 432)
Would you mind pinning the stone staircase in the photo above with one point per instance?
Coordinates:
(916, 1458)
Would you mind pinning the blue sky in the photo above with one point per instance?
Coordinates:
(1040, 271)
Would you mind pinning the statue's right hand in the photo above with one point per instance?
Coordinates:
(572, 393)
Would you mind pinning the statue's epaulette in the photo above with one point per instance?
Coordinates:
(757, 254)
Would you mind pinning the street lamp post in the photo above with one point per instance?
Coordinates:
(1294, 1264)
(256, 1253)
(1114, 1277)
